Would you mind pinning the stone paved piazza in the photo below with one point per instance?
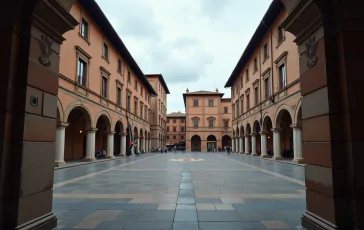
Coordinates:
(180, 191)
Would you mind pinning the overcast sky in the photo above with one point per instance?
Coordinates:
(194, 44)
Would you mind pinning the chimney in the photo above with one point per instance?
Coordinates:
(187, 91)
(217, 90)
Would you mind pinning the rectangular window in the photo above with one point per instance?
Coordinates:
(141, 110)
(174, 137)
(182, 120)
(256, 96)
(195, 102)
(226, 110)
(266, 88)
(242, 106)
(195, 123)
(145, 113)
(247, 75)
(129, 77)
(105, 51)
(182, 137)
(174, 120)
(236, 88)
(104, 87)
(141, 91)
(167, 137)
(237, 110)
(255, 64)
(167, 129)
(211, 103)
(82, 72)
(182, 129)
(247, 102)
(241, 82)
(136, 108)
(167, 120)
(280, 34)
(84, 29)
(128, 102)
(282, 76)
(174, 129)
(136, 84)
(265, 51)
(119, 66)
(211, 123)
(118, 95)
(226, 124)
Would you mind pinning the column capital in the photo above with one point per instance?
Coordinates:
(62, 125)
(253, 134)
(111, 133)
(276, 130)
(246, 135)
(264, 133)
(91, 130)
(122, 134)
(296, 126)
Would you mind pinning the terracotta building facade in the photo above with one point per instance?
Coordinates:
(158, 114)
(208, 120)
(176, 129)
(100, 85)
(266, 95)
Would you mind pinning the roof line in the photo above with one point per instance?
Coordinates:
(270, 15)
(161, 78)
(97, 15)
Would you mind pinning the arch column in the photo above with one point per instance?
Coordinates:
(297, 144)
(90, 145)
(277, 144)
(237, 143)
(110, 145)
(233, 144)
(123, 145)
(254, 144)
(60, 142)
(247, 146)
(241, 145)
(263, 145)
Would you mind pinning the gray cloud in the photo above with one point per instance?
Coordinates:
(193, 43)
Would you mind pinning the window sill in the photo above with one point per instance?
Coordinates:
(86, 40)
(107, 60)
(265, 59)
(280, 42)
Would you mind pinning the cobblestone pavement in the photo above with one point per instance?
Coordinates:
(180, 191)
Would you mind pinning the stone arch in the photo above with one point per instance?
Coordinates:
(298, 113)
(233, 133)
(121, 125)
(279, 113)
(242, 130)
(248, 129)
(135, 132)
(226, 141)
(141, 134)
(60, 111)
(78, 104)
(265, 122)
(120, 120)
(106, 115)
(145, 134)
(195, 143)
(256, 127)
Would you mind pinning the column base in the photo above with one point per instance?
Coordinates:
(241, 152)
(109, 157)
(247, 154)
(48, 221)
(311, 221)
(298, 161)
(89, 159)
(277, 158)
(255, 154)
(264, 156)
(59, 163)
(122, 154)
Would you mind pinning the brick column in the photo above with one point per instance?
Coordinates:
(31, 37)
(329, 37)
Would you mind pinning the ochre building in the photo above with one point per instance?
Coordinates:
(265, 92)
(100, 84)
(158, 107)
(176, 129)
(208, 120)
